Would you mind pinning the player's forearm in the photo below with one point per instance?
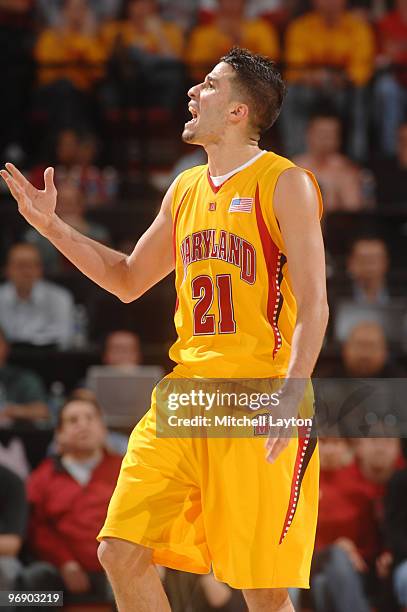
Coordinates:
(105, 266)
(312, 319)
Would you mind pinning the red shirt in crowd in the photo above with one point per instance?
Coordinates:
(392, 31)
(66, 516)
(348, 509)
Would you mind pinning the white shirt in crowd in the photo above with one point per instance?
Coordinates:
(47, 317)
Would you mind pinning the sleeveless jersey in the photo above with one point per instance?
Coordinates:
(235, 312)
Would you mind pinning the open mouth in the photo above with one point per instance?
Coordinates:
(194, 114)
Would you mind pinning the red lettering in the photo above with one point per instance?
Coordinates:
(248, 263)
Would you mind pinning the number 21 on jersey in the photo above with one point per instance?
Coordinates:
(204, 291)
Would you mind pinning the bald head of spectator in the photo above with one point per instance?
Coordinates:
(368, 263)
(365, 350)
(378, 457)
(81, 432)
(122, 349)
(324, 136)
(23, 268)
(331, 10)
(402, 137)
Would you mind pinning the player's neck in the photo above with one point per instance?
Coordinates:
(225, 157)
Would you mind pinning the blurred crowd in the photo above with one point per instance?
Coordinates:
(97, 88)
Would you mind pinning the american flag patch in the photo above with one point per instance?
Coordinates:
(241, 205)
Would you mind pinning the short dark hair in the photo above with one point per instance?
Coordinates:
(78, 396)
(260, 82)
(367, 236)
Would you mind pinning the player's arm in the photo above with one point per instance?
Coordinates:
(296, 205)
(127, 277)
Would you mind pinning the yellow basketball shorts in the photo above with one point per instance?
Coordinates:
(202, 502)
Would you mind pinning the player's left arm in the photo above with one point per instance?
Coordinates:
(297, 208)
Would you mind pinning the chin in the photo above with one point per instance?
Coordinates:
(191, 137)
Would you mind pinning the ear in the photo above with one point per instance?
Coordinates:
(239, 112)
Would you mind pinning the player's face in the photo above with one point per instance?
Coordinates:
(209, 107)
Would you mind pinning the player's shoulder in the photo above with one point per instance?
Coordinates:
(273, 164)
(188, 177)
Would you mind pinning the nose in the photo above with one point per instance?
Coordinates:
(193, 93)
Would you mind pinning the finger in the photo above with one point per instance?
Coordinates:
(270, 442)
(12, 185)
(278, 447)
(4, 175)
(49, 179)
(17, 175)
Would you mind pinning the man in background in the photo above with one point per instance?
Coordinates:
(32, 310)
(122, 349)
(69, 495)
(13, 518)
(339, 178)
(22, 393)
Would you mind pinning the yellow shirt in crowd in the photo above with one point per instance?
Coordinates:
(70, 53)
(208, 43)
(349, 45)
(147, 41)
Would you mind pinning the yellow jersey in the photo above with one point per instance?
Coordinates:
(236, 311)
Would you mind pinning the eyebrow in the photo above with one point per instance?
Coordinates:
(211, 78)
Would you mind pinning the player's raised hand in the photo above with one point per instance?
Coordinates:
(37, 206)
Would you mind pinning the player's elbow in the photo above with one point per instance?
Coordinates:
(126, 298)
(130, 294)
(321, 308)
(314, 305)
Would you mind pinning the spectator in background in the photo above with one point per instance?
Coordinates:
(329, 56)
(367, 266)
(71, 209)
(391, 86)
(145, 53)
(13, 518)
(230, 27)
(365, 295)
(339, 178)
(22, 394)
(396, 532)
(69, 496)
(69, 58)
(346, 538)
(122, 349)
(50, 11)
(75, 159)
(65, 158)
(33, 310)
(391, 175)
(278, 11)
(365, 354)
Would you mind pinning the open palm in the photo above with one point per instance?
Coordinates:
(36, 206)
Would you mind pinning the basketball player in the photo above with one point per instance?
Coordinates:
(243, 235)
